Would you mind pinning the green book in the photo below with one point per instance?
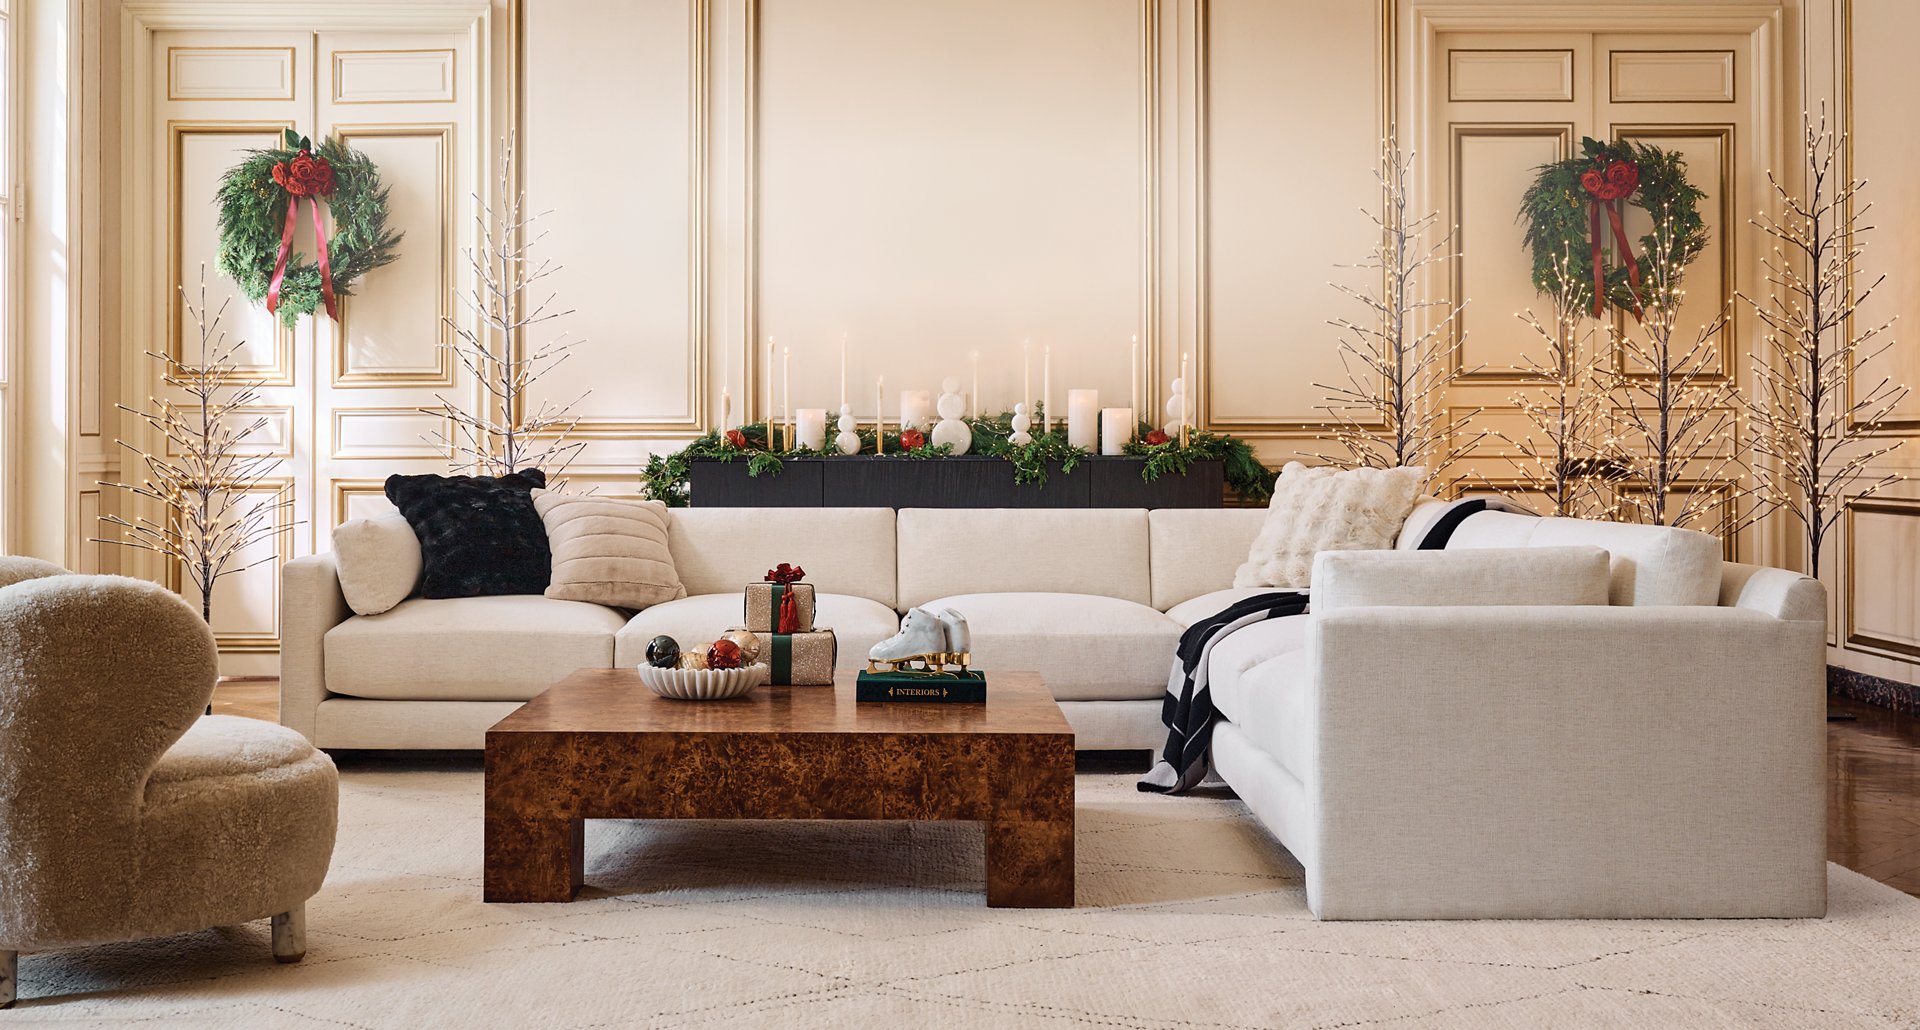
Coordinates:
(922, 687)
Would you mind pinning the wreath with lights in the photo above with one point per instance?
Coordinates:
(260, 200)
(1577, 207)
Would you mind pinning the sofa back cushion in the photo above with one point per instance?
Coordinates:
(1195, 551)
(1489, 576)
(844, 550)
(1650, 564)
(946, 551)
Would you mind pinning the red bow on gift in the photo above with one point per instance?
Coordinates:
(311, 177)
(786, 574)
(1609, 187)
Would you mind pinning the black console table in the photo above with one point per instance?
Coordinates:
(969, 481)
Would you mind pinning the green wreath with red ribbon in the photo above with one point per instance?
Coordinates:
(260, 201)
(1575, 212)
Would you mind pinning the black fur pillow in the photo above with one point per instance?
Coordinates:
(479, 535)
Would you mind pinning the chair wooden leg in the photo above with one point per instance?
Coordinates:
(9, 978)
(290, 935)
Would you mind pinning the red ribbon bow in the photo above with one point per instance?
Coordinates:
(1609, 187)
(786, 574)
(311, 177)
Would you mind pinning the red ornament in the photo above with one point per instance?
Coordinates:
(1157, 437)
(912, 439)
(786, 574)
(737, 438)
(723, 654)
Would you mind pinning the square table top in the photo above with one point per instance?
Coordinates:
(615, 701)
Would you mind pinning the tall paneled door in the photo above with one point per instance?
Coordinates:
(342, 402)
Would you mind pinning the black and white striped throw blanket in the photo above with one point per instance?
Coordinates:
(1188, 710)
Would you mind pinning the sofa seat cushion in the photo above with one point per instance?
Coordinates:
(1272, 702)
(504, 648)
(1188, 612)
(1087, 647)
(858, 623)
(1250, 646)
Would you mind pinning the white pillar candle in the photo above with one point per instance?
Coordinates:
(1046, 389)
(843, 370)
(1026, 372)
(1116, 430)
(1133, 374)
(916, 408)
(786, 391)
(974, 397)
(726, 388)
(879, 415)
(812, 432)
(1083, 418)
(767, 370)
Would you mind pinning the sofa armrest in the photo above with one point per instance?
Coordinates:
(1577, 761)
(1776, 592)
(310, 604)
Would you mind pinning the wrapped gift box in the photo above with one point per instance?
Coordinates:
(763, 605)
(800, 659)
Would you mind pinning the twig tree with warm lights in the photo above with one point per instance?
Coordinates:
(500, 435)
(1679, 411)
(1811, 412)
(1568, 450)
(206, 486)
(1397, 361)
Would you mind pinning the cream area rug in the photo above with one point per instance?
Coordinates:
(1190, 916)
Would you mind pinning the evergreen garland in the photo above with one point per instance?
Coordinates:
(666, 474)
(1556, 210)
(253, 214)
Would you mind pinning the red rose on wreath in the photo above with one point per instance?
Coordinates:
(1623, 176)
(736, 438)
(305, 175)
(912, 439)
(1157, 437)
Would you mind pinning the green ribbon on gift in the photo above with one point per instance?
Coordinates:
(780, 591)
(780, 655)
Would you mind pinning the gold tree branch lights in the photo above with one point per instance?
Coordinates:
(1811, 414)
(205, 482)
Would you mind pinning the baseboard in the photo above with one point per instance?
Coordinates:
(1874, 690)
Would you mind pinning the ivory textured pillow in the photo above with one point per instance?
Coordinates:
(379, 562)
(1326, 509)
(608, 551)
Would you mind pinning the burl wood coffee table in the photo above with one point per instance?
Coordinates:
(599, 745)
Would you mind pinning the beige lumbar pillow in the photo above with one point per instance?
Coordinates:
(378, 560)
(1326, 509)
(608, 551)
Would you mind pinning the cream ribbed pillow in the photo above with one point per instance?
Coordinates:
(608, 551)
(1326, 509)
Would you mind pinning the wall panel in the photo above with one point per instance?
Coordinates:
(1280, 214)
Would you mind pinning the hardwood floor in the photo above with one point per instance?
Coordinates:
(1873, 781)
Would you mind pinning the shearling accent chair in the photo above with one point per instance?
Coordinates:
(123, 812)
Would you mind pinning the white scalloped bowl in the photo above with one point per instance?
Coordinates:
(702, 684)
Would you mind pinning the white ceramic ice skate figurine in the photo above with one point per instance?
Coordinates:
(927, 640)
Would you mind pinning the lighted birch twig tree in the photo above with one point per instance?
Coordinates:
(1568, 451)
(500, 435)
(206, 485)
(1388, 411)
(1811, 413)
(1679, 411)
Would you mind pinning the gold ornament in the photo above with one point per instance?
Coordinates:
(749, 644)
(694, 657)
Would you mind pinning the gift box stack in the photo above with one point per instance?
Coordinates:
(780, 611)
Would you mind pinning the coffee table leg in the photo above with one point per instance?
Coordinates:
(1030, 864)
(534, 859)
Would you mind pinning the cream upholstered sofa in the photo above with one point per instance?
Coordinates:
(1093, 600)
(124, 813)
(1617, 725)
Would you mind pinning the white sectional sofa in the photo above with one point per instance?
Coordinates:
(1095, 600)
(1617, 725)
